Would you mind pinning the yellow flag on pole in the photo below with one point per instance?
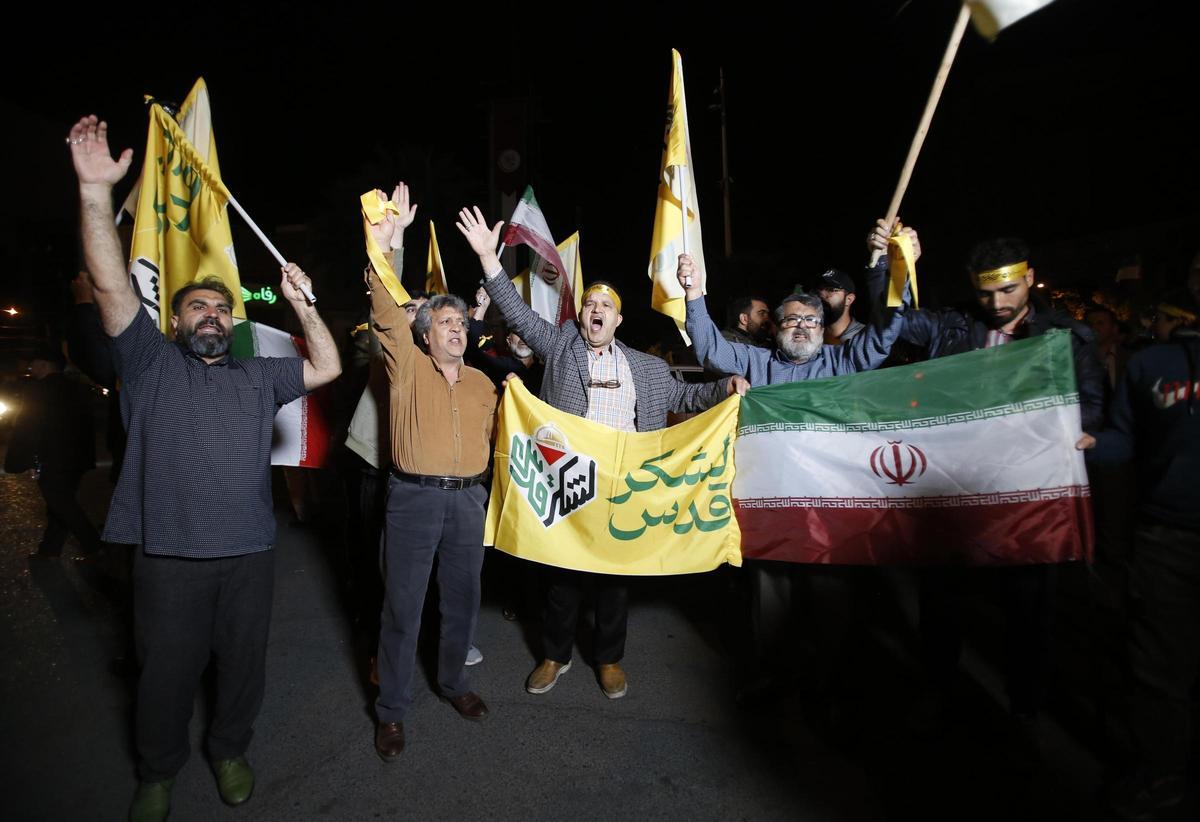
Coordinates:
(435, 273)
(181, 231)
(676, 182)
(576, 494)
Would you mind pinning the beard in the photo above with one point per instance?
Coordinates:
(798, 351)
(834, 311)
(995, 321)
(521, 351)
(205, 345)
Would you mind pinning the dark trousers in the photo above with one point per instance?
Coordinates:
(1026, 594)
(423, 523)
(564, 599)
(186, 612)
(1164, 645)
(366, 489)
(64, 515)
(778, 592)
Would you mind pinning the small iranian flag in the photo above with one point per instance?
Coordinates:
(301, 426)
(528, 225)
(968, 460)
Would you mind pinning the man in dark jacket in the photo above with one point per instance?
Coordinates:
(1154, 422)
(1005, 309)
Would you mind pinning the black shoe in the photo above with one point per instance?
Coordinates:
(389, 740)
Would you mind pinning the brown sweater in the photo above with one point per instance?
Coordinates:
(437, 428)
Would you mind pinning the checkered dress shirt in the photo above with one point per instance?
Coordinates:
(614, 407)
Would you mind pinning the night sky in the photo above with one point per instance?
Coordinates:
(1076, 129)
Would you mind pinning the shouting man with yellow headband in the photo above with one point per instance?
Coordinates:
(593, 375)
(1005, 308)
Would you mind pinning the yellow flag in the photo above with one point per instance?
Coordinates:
(902, 266)
(181, 231)
(374, 208)
(568, 250)
(675, 179)
(435, 273)
(577, 494)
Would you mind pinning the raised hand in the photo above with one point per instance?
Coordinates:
(877, 240)
(294, 280)
(94, 163)
(689, 276)
(483, 241)
(408, 210)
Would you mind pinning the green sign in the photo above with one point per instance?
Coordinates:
(264, 294)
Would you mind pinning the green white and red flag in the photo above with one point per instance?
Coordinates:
(964, 460)
(528, 225)
(302, 430)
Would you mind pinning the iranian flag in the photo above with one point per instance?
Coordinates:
(528, 225)
(301, 427)
(964, 460)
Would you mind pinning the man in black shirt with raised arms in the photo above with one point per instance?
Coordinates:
(195, 491)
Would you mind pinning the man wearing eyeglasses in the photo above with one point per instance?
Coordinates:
(801, 352)
(593, 375)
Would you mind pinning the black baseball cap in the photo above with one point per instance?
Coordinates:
(832, 278)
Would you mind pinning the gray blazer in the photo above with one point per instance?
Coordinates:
(565, 352)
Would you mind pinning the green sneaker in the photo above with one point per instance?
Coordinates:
(235, 779)
(152, 802)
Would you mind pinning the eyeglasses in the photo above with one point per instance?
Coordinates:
(806, 320)
(604, 384)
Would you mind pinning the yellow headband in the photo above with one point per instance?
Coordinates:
(1177, 312)
(1003, 274)
(603, 289)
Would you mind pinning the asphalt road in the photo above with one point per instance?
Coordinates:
(677, 747)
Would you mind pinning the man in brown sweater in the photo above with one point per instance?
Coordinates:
(442, 412)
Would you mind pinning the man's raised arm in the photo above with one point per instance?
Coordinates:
(712, 350)
(98, 172)
(870, 349)
(537, 332)
(323, 364)
(390, 320)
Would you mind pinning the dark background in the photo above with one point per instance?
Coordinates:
(1076, 129)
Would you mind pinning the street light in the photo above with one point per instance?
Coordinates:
(11, 311)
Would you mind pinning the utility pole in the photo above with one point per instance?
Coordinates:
(725, 179)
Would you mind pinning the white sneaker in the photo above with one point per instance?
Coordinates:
(474, 656)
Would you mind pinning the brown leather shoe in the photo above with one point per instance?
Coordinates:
(546, 675)
(612, 681)
(389, 740)
(469, 706)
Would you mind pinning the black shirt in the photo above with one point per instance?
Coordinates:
(196, 480)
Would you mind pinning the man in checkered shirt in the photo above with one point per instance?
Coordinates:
(591, 374)
(194, 493)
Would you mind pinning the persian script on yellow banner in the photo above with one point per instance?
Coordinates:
(577, 494)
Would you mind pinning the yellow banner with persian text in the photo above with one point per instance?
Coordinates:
(576, 494)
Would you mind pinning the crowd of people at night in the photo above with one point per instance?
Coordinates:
(190, 431)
